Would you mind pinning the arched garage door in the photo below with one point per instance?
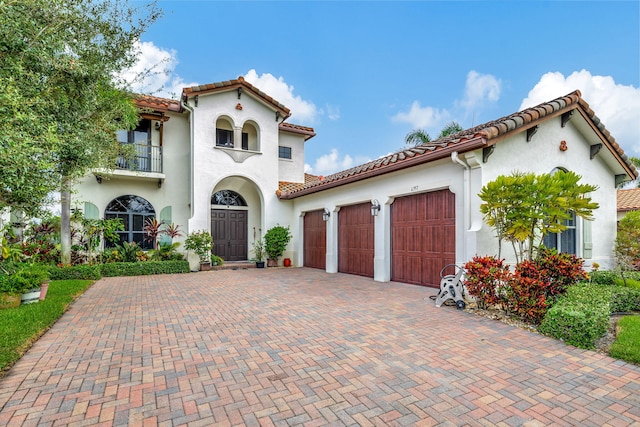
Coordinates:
(423, 237)
(315, 240)
(355, 240)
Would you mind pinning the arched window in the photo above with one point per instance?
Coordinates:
(227, 198)
(133, 211)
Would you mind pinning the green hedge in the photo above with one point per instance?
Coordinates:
(582, 315)
(144, 268)
(95, 272)
(75, 272)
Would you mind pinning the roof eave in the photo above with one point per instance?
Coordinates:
(463, 147)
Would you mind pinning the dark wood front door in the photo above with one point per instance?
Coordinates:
(315, 240)
(229, 232)
(423, 237)
(355, 240)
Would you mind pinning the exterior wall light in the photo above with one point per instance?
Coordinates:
(326, 214)
(375, 207)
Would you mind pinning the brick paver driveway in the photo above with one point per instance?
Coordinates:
(302, 347)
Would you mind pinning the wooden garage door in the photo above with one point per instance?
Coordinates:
(355, 240)
(423, 237)
(315, 240)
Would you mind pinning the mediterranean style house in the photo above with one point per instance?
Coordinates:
(223, 158)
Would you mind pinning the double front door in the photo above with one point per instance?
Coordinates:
(229, 231)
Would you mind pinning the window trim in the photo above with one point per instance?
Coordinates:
(285, 148)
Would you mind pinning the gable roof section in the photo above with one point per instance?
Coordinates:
(297, 129)
(468, 140)
(234, 85)
(157, 104)
(628, 200)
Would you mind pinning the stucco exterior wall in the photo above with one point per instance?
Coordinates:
(541, 155)
(292, 170)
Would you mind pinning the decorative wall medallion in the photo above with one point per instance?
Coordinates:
(563, 145)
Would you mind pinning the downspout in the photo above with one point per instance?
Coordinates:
(466, 204)
(185, 105)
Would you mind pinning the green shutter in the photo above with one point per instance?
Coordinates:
(91, 211)
(587, 240)
(165, 215)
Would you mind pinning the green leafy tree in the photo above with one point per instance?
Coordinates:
(61, 100)
(523, 207)
(627, 245)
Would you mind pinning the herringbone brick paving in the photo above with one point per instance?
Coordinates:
(297, 346)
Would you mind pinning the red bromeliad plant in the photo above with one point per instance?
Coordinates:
(484, 277)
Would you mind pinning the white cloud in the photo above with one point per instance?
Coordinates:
(618, 106)
(301, 110)
(333, 113)
(421, 117)
(154, 72)
(332, 163)
(480, 89)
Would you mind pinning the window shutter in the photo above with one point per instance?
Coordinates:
(587, 240)
(91, 211)
(165, 215)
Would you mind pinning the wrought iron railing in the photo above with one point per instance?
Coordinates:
(145, 158)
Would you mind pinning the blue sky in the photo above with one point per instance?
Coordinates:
(365, 73)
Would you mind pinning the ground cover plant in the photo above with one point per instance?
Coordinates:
(20, 327)
(627, 343)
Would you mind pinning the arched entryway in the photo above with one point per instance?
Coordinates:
(236, 216)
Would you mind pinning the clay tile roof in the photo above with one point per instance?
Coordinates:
(303, 130)
(157, 104)
(467, 140)
(628, 200)
(234, 84)
(292, 186)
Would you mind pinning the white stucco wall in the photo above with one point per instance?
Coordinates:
(542, 155)
(292, 170)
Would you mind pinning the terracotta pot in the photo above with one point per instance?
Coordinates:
(9, 300)
(272, 263)
(205, 266)
(43, 290)
(287, 262)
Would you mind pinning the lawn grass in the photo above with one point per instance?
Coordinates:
(627, 343)
(20, 327)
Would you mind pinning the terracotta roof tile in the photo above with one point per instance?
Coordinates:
(467, 140)
(234, 84)
(289, 127)
(292, 186)
(628, 200)
(157, 104)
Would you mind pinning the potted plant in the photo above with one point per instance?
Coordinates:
(201, 243)
(258, 251)
(23, 285)
(275, 242)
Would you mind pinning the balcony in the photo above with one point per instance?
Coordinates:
(147, 158)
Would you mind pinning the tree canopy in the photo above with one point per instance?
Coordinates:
(60, 100)
(523, 207)
(421, 136)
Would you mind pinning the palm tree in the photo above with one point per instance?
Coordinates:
(450, 129)
(417, 137)
(421, 136)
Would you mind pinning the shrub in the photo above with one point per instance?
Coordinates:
(483, 277)
(75, 272)
(144, 268)
(603, 277)
(276, 240)
(582, 315)
(526, 297)
(216, 260)
(201, 243)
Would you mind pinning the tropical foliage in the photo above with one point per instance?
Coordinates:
(523, 207)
